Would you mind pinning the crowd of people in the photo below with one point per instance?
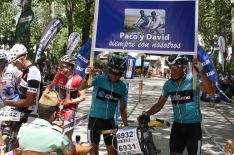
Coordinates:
(22, 85)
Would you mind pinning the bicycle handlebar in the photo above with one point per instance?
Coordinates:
(29, 115)
(157, 123)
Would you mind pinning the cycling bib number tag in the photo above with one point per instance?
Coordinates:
(9, 115)
(127, 141)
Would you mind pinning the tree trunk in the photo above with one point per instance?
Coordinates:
(232, 13)
(52, 9)
(26, 5)
(69, 15)
(87, 24)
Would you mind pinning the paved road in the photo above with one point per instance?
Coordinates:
(218, 119)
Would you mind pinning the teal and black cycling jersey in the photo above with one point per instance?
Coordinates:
(106, 95)
(145, 19)
(185, 100)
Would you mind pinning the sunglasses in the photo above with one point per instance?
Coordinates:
(63, 65)
(176, 67)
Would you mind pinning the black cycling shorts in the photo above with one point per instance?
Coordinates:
(96, 125)
(186, 135)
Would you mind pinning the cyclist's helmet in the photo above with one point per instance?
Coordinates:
(117, 64)
(3, 55)
(176, 59)
(153, 13)
(17, 51)
(68, 59)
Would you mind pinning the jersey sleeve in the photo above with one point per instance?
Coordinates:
(165, 89)
(34, 80)
(96, 79)
(124, 96)
(76, 81)
(58, 75)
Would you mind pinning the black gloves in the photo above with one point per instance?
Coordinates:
(143, 118)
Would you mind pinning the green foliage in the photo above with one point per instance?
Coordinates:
(7, 17)
(214, 19)
(230, 67)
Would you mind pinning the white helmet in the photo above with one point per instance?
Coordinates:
(17, 51)
(3, 55)
(68, 59)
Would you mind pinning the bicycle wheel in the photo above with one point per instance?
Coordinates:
(152, 149)
(11, 140)
(147, 145)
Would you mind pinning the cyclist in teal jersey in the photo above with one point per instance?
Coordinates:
(108, 92)
(186, 129)
(143, 21)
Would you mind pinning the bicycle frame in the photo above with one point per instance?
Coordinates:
(146, 141)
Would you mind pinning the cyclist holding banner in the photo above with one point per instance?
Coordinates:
(186, 129)
(108, 92)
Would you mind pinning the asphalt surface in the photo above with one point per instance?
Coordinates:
(217, 126)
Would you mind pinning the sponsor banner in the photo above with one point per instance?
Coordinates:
(211, 73)
(152, 26)
(23, 24)
(52, 29)
(130, 72)
(73, 40)
(207, 65)
(83, 56)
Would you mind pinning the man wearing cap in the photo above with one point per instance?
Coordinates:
(40, 135)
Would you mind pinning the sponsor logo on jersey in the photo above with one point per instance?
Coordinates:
(107, 95)
(181, 97)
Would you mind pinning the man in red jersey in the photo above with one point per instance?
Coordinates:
(66, 83)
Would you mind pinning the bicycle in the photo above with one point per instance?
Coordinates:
(12, 121)
(137, 140)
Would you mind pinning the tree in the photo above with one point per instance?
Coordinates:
(214, 19)
(232, 24)
(26, 5)
(88, 20)
(7, 20)
(69, 15)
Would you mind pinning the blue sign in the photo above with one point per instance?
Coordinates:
(162, 27)
(130, 71)
(82, 60)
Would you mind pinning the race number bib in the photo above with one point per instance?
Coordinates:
(127, 141)
(8, 114)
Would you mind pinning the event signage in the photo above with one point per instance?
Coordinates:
(146, 26)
